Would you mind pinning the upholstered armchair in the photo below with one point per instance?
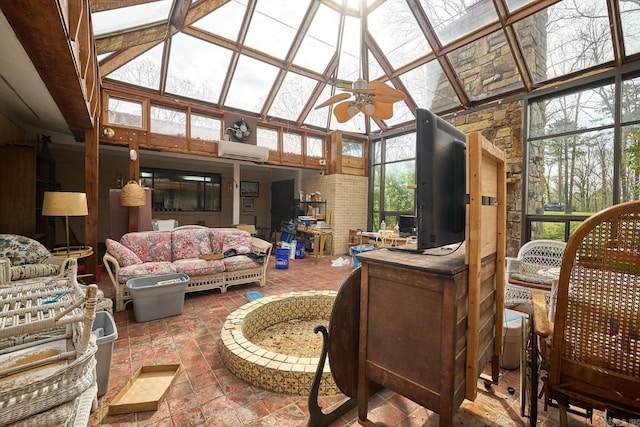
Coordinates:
(23, 259)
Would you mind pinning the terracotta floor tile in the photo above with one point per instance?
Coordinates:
(206, 393)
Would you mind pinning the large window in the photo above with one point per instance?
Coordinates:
(583, 155)
(182, 191)
(392, 176)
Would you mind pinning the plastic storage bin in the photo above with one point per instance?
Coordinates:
(104, 328)
(512, 339)
(282, 258)
(355, 250)
(156, 297)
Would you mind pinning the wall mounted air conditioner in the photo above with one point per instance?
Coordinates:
(242, 151)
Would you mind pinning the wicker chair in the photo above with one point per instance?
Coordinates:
(522, 273)
(594, 353)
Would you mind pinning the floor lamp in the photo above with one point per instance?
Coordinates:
(66, 204)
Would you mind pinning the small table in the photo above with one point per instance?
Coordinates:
(78, 252)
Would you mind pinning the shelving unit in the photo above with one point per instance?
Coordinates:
(303, 209)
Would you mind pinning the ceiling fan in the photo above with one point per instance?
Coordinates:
(373, 99)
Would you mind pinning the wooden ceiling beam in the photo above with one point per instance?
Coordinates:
(178, 14)
(102, 5)
(118, 59)
(125, 39)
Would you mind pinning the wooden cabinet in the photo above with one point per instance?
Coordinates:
(24, 177)
(414, 327)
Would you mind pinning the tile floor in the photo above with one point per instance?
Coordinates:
(205, 393)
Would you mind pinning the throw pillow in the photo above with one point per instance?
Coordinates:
(122, 254)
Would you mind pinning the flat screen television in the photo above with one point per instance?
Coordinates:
(440, 181)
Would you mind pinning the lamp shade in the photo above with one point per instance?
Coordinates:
(64, 203)
(133, 194)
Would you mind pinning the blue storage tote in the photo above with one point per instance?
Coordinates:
(282, 258)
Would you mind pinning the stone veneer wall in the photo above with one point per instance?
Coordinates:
(502, 125)
(347, 199)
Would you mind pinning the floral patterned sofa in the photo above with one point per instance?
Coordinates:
(213, 258)
(23, 259)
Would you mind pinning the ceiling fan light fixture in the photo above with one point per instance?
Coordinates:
(368, 109)
(359, 84)
(352, 110)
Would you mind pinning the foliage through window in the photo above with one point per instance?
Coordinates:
(391, 175)
(352, 147)
(182, 191)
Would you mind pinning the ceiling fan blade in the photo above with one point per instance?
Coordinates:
(383, 110)
(385, 93)
(342, 111)
(335, 98)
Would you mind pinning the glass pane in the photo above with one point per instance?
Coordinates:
(630, 16)
(630, 167)
(318, 117)
(452, 19)
(124, 112)
(548, 230)
(197, 69)
(567, 37)
(397, 197)
(514, 4)
(486, 67)
(225, 20)
(376, 156)
(314, 146)
(352, 148)
(182, 191)
(571, 174)
(168, 121)
(401, 114)
(292, 96)
(395, 30)
(430, 88)
(319, 44)
(267, 138)
(349, 66)
(401, 148)
(204, 127)
(376, 178)
(142, 71)
(292, 143)
(123, 18)
(251, 84)
(282, 18)
(631, 100)
(568, 113)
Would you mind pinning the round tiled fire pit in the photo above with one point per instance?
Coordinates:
(276, 372)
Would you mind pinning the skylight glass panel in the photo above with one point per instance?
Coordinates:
(318, 117)
(430, 88)
(565, 38)
(401, 114)
(396, 31)
(124, 18)
(486, 67)
(143, 70)
(292, 96)
(319, 44)
(375, 70)
(355, 124)
(197, 69)
(630, 17)
(349, 66)
(453, 19)
(251, 84)
(274, 24)
(515, 4)
(225, 21)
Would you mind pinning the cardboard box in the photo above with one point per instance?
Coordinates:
(145, 390)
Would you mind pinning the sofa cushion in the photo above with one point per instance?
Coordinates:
(150, 246)
(190, 243)
(21, 250)
(146, 269)
(122, 254)
(239, 262)
(235, 239)
(198, 267)
(30, 271)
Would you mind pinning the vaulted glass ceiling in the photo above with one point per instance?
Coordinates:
(278, 59)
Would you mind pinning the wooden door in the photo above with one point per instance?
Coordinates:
(282, 194)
